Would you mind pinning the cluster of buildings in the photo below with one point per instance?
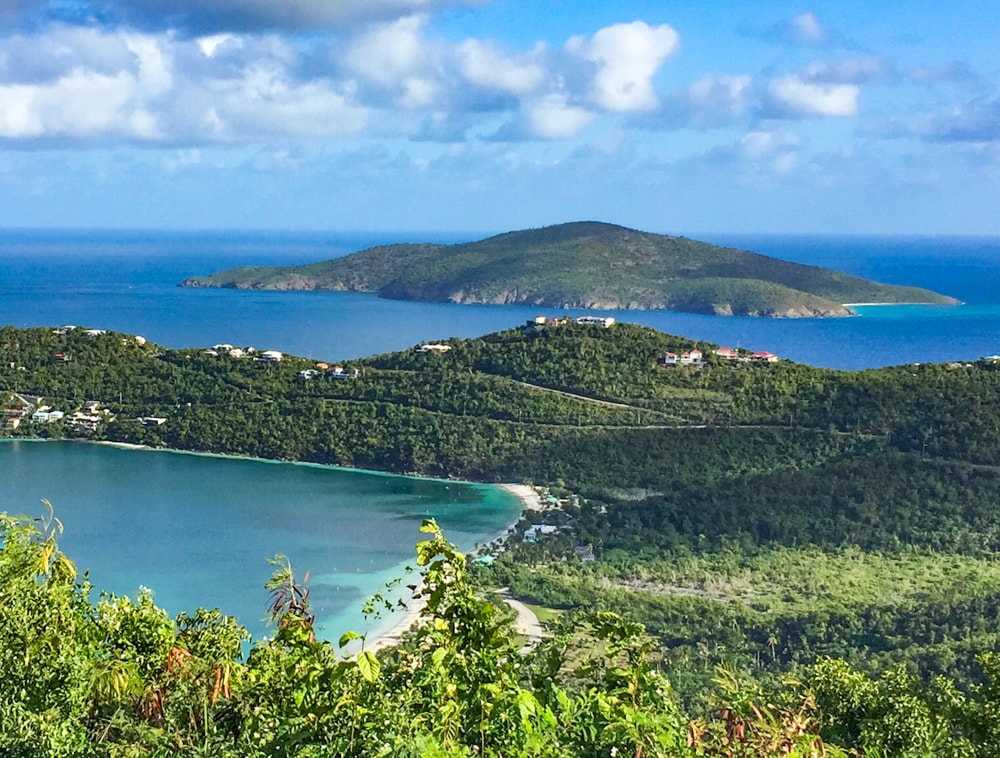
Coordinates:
(330, 372)
(85, 420)
(540, 323)
(696, 359)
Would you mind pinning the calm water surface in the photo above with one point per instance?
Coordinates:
(198, 530)
(127, 281)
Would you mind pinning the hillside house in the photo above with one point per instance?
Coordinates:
(540, 323)
(339, 372)
(270, 356)
(727, 354)
(434, 347)
(693, 358)
(605, 321)
(762, 356)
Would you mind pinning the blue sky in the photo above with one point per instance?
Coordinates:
(487, 115)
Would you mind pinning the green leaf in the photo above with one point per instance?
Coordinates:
(369, 666)
(348, 637)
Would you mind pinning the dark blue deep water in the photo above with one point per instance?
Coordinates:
(127, 281)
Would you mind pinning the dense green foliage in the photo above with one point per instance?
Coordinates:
(583, 264)
(757, 515)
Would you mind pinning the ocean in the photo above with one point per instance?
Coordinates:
(127, 281)
(197, 530)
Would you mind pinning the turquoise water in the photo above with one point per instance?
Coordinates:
(198, 529)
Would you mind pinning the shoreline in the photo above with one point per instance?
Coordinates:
(402, 620)
(393, 635)
(880, 305)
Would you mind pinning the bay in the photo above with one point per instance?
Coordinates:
(198, 530)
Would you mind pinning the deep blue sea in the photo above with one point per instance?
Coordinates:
(127, 281)
(197, 530)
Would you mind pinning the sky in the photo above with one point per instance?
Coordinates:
(856, 117)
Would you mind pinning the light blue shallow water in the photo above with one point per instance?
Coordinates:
(198, 529)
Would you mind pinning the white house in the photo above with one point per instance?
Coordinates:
(45, 415)
(271, 356)
(605, 321)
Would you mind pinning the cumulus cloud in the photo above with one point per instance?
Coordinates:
(626, 57)
(552, 117)
(759, 153)
(712, 100)
(794, 96)
(155, 88)
(483, 66)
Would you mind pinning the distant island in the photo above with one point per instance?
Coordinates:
(584, 265)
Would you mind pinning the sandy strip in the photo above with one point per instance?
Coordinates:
(122, 445)
(530, 501)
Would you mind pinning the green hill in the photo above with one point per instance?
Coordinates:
(762, 516)
(583, 265)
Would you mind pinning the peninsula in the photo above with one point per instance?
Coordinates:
(583, 265)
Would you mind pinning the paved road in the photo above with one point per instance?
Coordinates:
(527, 623)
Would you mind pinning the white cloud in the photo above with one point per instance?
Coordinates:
(796, 97)
(805, 29)
(80, 104)
(484, 67)
(389, 53)
(210, 45)
(627, 57)
(552, 117)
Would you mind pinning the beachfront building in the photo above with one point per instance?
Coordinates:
(46, 415)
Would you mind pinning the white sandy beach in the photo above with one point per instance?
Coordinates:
(530, 501)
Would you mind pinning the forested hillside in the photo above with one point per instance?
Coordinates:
(755, 515)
